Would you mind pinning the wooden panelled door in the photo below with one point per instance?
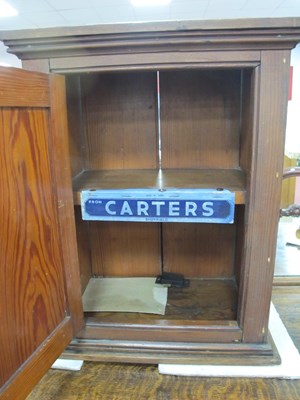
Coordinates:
(40, 306)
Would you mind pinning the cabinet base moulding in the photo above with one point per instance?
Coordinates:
(173, 353)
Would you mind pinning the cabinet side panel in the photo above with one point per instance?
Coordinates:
(247, 121)
(200, 113)
(84, 251)
(247, 143)
(239, 246)
(75, 124)
(62, 191)
(125, 248)
(121, 120)
(264, 194)
(199, 250)
(31, 275)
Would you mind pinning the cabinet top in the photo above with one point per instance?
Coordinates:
(160, 26)
(237, 34)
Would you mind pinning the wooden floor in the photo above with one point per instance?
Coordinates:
(107, 381)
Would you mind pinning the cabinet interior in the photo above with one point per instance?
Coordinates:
(167, 129)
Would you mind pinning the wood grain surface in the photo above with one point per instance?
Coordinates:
(58, 148)
(32, 294)
(167, 60)
(264, 193)
(199, 250)
(38, 287)
(200, 112)
(31, 372)
(120, 111)
(287, 302)
(23, 89)
(125, 248)
(136, 382)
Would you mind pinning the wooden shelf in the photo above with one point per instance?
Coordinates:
(231, 179)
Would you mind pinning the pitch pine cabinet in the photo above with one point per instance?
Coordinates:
(181, 105)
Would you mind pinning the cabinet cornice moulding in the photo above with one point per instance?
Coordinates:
(246, 34)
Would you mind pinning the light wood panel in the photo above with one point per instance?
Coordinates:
(20, 88)
(23, 382)
(31, 275)
(125, 248)
(199, 250)
(200, 112)
(121, 120)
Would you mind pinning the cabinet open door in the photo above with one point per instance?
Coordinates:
(40, 308)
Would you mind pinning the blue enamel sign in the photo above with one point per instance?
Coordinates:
(153, 205)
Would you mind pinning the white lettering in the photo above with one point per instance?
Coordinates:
(95, 201)
(107, 207)
(174, 208)
(126, 209)
(190, 208)
(142, 208)
(207, 208)
(158, 205)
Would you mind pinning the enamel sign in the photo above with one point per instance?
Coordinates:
(153, 205)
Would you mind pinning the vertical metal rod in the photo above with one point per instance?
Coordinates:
(158, 123)
(159, 175)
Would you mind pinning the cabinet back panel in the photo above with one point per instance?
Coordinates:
(121, 120)
(125, 248)
(200, 112)
(199, 250)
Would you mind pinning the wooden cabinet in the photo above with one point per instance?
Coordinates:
(192, 105)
